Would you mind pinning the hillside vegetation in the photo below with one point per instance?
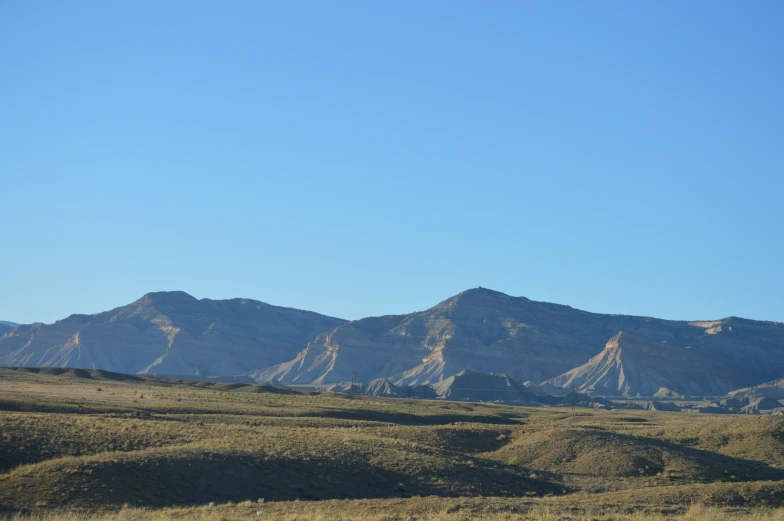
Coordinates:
(94, 444)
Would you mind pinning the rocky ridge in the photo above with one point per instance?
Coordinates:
(553, 348)
(168, 333)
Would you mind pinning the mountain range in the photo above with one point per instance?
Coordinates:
(168, 333)
(548, 347)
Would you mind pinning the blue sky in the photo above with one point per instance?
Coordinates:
(365, 158)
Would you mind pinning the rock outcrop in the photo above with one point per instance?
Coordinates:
(486, 387)
(381, 387)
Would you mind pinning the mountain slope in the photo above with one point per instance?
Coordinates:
(487, 331)
(774, 389)
(168, 333)
(478, 330)
(6, 326)
(633, 366)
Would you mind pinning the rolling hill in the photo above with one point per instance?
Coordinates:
(81, 444)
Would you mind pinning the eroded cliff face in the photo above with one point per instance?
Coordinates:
(773, 389)
(633, 366)
(477, 330)
(487, 331)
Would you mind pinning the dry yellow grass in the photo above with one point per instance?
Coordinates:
(378, 511)
(165, 449)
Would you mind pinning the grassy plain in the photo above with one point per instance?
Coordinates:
(81, 445)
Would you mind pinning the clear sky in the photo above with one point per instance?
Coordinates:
(364, 158)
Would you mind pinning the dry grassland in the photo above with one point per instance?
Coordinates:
(81, 445)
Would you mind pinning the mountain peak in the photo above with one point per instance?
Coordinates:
(168, 295)
(167, 299)
(484, 293)
(480, 296)
(170, 332)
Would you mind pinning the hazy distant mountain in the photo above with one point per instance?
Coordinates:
(169, 333)
(5, 326)
(478, 330)
(487, 331)
(633, 366)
